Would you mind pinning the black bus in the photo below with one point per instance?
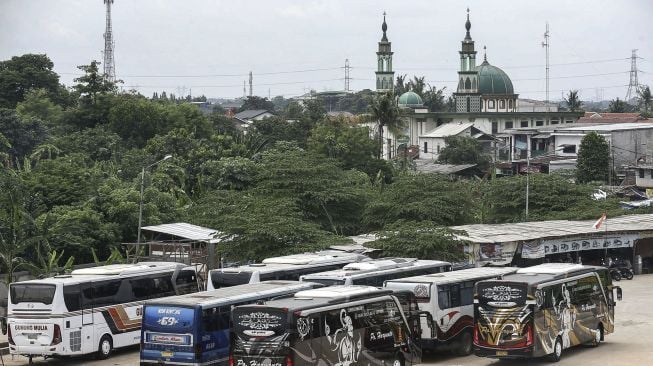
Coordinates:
(541, 310)
(339, 325)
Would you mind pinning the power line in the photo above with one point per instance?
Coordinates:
(215, 75)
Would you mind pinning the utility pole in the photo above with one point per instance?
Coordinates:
(109, 45)
(346, 75)
(633, 85)
(244, 90)
(545, 44)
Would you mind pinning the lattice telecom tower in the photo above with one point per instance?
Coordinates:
(347, 67)
(546, 45)
(634, 83)
(109, 62)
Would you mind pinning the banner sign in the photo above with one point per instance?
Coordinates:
(567, 245)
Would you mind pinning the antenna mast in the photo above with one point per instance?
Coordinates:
(250, 84)
(545, 44)
(109, 45)
(633, 84)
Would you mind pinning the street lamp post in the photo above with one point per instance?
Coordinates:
(140, 206)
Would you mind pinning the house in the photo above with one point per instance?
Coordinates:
(245, 118)
(433, 141)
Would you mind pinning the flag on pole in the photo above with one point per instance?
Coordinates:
(600, 221)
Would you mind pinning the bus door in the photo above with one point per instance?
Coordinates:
(87, 331)
(72, 325)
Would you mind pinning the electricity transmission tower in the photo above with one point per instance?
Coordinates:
(546, 44)
(109, 45)
(634, 84)
(347, 75)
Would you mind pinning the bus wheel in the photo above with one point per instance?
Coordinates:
(105, 348)
(465, 345)
(398, 360)
(557, 351)
(598, 336)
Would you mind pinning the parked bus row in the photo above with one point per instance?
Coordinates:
(496, 312)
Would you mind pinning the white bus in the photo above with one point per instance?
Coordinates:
(377, 271)
(285, 268)
(449, 300)
(90, 310)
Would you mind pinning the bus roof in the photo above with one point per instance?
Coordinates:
(107, 272)
(376, 265)
(309, 299)
(548, 272)
(457, 276)
(298, 260)
(227, 295)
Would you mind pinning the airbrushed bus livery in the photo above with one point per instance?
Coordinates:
(542, 310)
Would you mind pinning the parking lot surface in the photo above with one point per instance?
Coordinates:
(630, 344)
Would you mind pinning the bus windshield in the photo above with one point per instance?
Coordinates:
(168, 318)
(501, 294)
(32, 292)
(325, 281)
(259, 323)
(227, 279)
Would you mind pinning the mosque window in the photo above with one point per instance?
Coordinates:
(468, 105)
(523, 124)
(468, 84)
(473, 83)
(508, 125)
(539, 123)
(510, 104)
(460, 85)
(490, 104)
(426, 147)
(502, 104)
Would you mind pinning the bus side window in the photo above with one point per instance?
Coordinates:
(72, 297)
(466, 293)
(443, 297)
(103, 293)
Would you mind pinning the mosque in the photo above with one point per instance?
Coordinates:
(486, 108)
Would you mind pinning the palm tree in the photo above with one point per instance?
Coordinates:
(417, 85)
(644, 93)
(385, 111)
(401, 86)
(573, 102)
(617, 106)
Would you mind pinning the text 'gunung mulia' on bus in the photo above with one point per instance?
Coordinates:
(377, 312)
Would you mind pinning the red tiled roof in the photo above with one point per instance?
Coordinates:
(598, 117)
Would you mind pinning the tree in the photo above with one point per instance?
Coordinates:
(617, 106)
(423, 240)
(256, 102)
(434, 99)
(385, 111)
(23, 73)
(464, 150)
(256, 226)
(17, 231)
(400, 85)
(419, 197)
(38, 105)
(644, 94)
(23, 134)
(417, 85)
(93, 83)
(573, 102)
(593, 159)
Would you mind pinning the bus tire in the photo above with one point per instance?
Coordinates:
(398, 360)
(557, 351)
(105, 347)
(464, 345)
(598, 336)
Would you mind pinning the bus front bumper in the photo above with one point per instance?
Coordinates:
(525, 352)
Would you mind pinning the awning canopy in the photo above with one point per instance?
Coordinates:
(186, 231)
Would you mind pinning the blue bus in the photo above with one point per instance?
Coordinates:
(193, 329)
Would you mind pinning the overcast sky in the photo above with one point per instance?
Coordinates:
(209, 46)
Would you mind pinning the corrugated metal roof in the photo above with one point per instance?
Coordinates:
(186, 231)
(425, 166)
(525, 231)
(449, 129)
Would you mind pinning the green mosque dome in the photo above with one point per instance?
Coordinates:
(492, 80)
(410, 99)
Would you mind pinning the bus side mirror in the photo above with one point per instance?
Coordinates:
(619, 293)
